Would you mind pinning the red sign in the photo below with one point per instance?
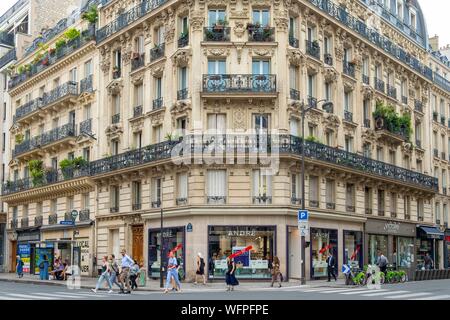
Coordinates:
(238, 253)
(447, 238)
(178, 247)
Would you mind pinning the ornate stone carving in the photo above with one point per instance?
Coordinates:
(157, 118)
(157, 70)
(282, 23)
(367, 92)
(331, 121)
(114, 130)
(329, 73)
(216, 52)
(138, 77)
(296, 57)
(115, 87)
(262, 52)
(239, 118)
(239, 49)
(182, 57)
(239, 29)
(196, 20)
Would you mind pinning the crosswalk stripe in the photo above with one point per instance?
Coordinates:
(343, 290)
(445, 296)
(11, 298)
(323, 290)
(87, 294)
(361, 291)
(61, 296)
(28, 296)
(410, 295)
(383, 293)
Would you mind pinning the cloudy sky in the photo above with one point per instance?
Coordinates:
(436, 14)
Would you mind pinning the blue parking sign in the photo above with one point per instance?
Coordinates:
(303, 215)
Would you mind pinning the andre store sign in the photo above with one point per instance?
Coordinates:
(390, 227)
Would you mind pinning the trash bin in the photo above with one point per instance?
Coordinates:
(142, 278)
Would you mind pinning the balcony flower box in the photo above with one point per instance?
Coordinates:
(45, 61)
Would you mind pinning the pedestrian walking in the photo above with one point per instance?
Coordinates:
(172, 271)
(115, 273)
(126, 264)
(331, 265)
(276, 273)
(106, 272)
(200, 268)
(134, 273)
(43, 268)
(19, 266)
(428, 262)
(230, 277)
(382, 262)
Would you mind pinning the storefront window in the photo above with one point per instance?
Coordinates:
(377, 243)
(403, 257)
(447, 250)
(23, 250)
(424, 246)
(322, 242)
(353, 248)
(2, 243)
(225, 240)
(172, 237)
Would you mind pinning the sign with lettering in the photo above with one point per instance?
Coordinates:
(242, 233)
(189, 227)
(392, 227)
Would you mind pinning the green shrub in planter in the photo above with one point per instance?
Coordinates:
(36, 172)
(72, 34)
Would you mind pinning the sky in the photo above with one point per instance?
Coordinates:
(436, 16)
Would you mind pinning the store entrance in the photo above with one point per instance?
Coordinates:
(138, 244)
(294, 253)
(13, 254)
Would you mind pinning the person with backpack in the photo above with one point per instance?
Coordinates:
(43, 268)
(382, 262)
(200, 268)
(19, 266)
(115, 273)
(134, 273)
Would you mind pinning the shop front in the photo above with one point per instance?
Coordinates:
(2, 246)
(428, 242)
(171, 238)
(323, 242)
(396, 240)
(26, 249)
(447, 249)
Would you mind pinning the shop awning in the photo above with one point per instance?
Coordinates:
(431, 232)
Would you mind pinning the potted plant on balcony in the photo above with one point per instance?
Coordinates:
(61, 42)
(52, 52)
(20, 70)
(220, 24)
(19, 138)
(66, 166)
(315, 44)
(28, 69)
(79, 163)
(36, 172)
(90, 15)
(116, 72)
(72, 35)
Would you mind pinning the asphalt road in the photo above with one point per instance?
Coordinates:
(424, 290)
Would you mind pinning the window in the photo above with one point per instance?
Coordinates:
(261, 122)
(380, 154)
(312, 130)
(217, 122)
(115, 198)
(38, 209)
(413, 21)
(216, 15)
(407, 162)
(330, 193)
(182, 187)
(348, 101)
(365, 66)
(118, 59)
(73, 75)
(418, 132)
(4, 111)
(182, 74)
(262, 187)
(137, 139)
(53, 206)
(69, 204)
(261, 66)
(366, 112)
(136, 194)
(368, 200)
(444, 178)
(86, 201)
(419, 165)
(158, 88)
(311, 85)
(261, 17)
(3, 142)
(328, 92)
(216, 186)
(445, 213)
(139, 44)
(293, 77)
(437, 212)
(350, 197)
(420, 209)
(55, 163)
(314, 191)
(311, 34)
(71, 156)
(181, 125)
(88, 68)
(292, 27)
(294, 125)
(327, 45)
(116, 105)
(216, 67)
(392, 157)
(381, 205)
(184, 25)
(87, 112)
(157, 134)
(407, 207)
(25, 211)
(329, 136)
(393, 203)
(348, 143)
(114, 147)
(138, 95)
(295, 188)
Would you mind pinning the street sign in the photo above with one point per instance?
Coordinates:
(345, 269)
(67, 223)
(303, 215)
(189, 227)
(74, 214)
(304, 232)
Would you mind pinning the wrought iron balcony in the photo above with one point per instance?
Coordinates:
(239, 83)
(407, 217)
(443, 120)
(8, 57)
(381, 213)
(366, 79)
(68, 216)
(114, 209)
(436, 153)
(49, 137)
(38, 221)
(262, 34)
(393, 214)
(217, 34)
(350, 208)
(348, 116)
(296, 200)
(86, 84)
(117, 73)
(157, 52)
(182, 94)
(391, 91)
(366, 123)
(262, 199)
(181, 201)
(136, 206)
(293, 41)
(418, 105)
(404, 100)
(7, 38)
(53, 219)
(312, 102)
(158, 103)
(382, 124)
(138, 61)
(328, 59)
(435, 116)
(216, 199)
(86, 126)
(294, 94)
(28, 108)
(24, 223)
(156, 204)
(128, 18)
(379, 85)
(331, 205)
(14, 224)
(313, 49)
(84, 215)
(348, 68)
(115, 118)
(418, 143)
(183, 40)
(137, 111)
(314, 203)
(420, 218)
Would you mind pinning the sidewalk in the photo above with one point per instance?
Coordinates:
(153, 285)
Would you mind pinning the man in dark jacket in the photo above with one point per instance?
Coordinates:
(331, 264)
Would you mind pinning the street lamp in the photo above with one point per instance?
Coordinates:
(328, 107)
(161, 283)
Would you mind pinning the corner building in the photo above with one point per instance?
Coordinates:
(191, 71)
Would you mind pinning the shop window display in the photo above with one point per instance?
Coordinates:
(424, 246)
(172, 237)
(403, 253)
(225, 240)
(322, 241)
(377, 243)
(353, 248)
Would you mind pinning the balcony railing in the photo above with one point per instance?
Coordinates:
(7, 38)
(313, 49)
(366, 79)
(128, 18)
(86, 126)
(216, 199)
(296, 200)
(8, 57)
(69, 88)
(48, 178)
(14, 224)
(391, 91)
(328, 59)
(38, 221)
(215, 34)
(157, 52)
(443, 120)
(381, 213)
(294, 94)
(262, 34)
(115, 118)
(183, 40)
(182, 94)
(86, 84)
(293, 41)
(84, 215)
(331, 205)
(349, 68)
(382, 124)
(239, 83)
(366, 123)
(136, 206)
(314, 203)
(264, 199)
(138, 61)
(379, 85)
(68, 216)
(404, 100)
(24, 223)
(181, 201)
(53, 219)
(156, 204)
(54, 135)
(114, 209)
(350, 208)
(137, 111)
(158, 103)
(418, 105)
(348, 116)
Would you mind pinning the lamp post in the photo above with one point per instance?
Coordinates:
(161, 283)
(327, 106)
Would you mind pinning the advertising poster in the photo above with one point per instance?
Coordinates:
(23, 250)
(244, 258)
(39, 256)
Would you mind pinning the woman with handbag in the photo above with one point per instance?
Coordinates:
(43, 268)
(106, 273)
(115, 273)
(276, 274)
(230, 277)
